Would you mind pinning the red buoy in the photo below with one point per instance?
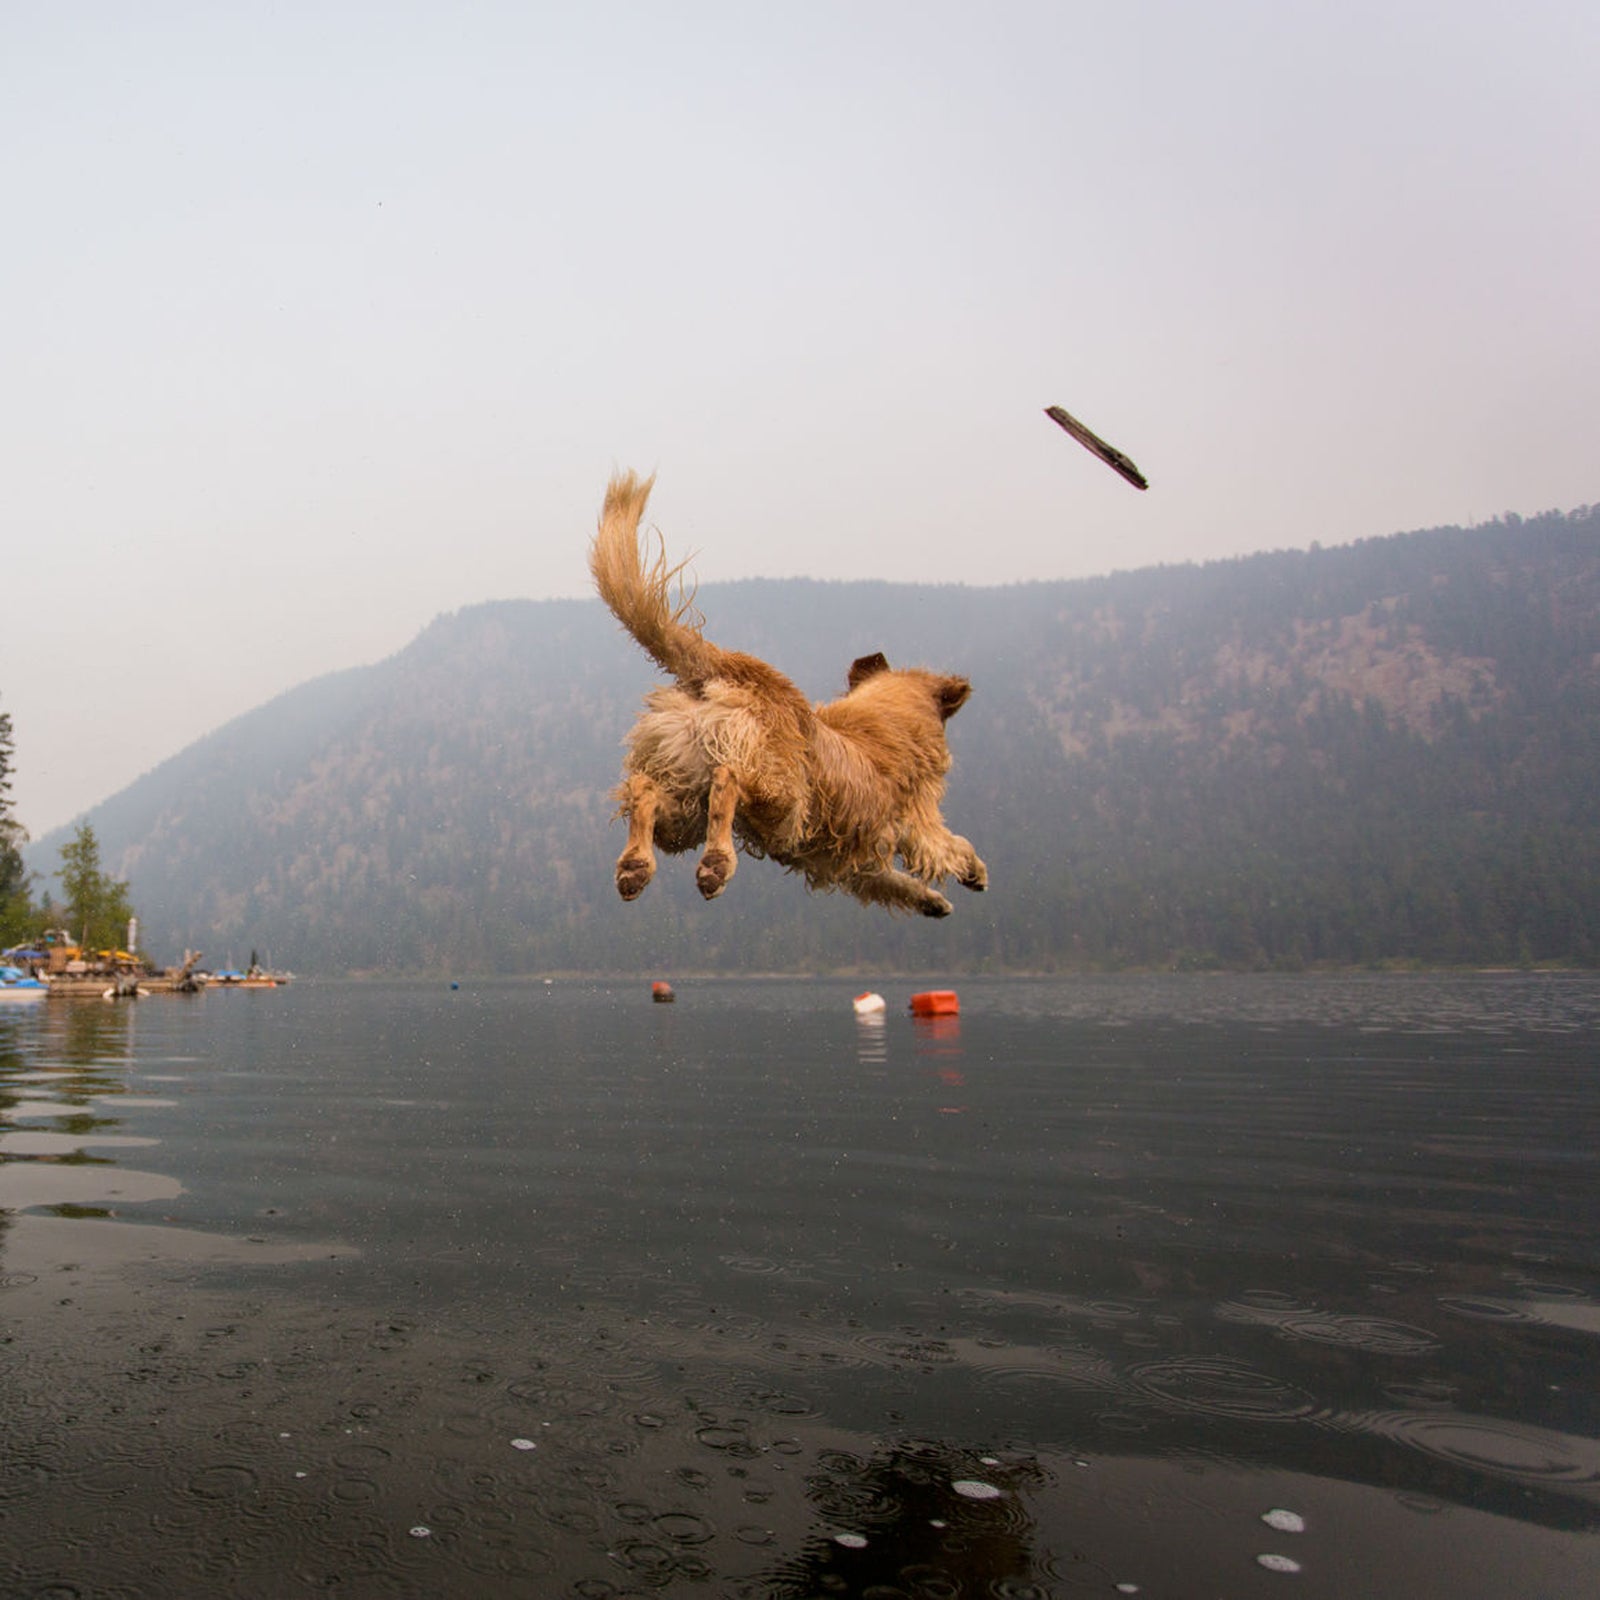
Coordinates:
(661, 991)
(935, 1003)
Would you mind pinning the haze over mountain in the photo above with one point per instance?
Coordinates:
(1384, 751)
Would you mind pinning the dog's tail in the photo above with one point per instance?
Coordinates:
(640, 591)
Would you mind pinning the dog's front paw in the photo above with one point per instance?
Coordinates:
(935, 905)
(633, 875)
(711, 876)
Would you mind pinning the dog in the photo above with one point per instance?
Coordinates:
(732, 755)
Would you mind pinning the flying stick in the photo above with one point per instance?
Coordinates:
(1093, 443)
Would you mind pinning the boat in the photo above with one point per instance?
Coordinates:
(16, 985)
(254, 976)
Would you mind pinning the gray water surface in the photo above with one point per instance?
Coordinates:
(1170, 1286)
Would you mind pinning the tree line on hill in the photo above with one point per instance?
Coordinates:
(1382, 752)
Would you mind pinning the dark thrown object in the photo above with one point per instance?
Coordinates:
(1093, 443)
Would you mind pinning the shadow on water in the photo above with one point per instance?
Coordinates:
(918, 1518)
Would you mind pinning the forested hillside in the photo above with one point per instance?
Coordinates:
(1385, 751)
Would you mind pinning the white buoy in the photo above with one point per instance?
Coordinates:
(868, 1003)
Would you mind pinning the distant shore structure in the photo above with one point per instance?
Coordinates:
(69, 969)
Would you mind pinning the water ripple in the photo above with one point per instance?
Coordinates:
(1287, 1317)
(1216, 1387)
(1487, 1444)
(1486, 1308)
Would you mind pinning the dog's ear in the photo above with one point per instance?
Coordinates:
(951, 693)
(865, 667)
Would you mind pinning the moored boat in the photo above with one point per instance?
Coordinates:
(254, 977)
(16, 985)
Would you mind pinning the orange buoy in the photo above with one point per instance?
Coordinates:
(660, 991)
(935, 1003)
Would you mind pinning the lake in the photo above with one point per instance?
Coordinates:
(1170, 1286)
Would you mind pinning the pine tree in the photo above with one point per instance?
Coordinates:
(16, 910)
(98, 907)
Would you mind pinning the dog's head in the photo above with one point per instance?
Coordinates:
(949, 693)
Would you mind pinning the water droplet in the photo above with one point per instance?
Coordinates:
(1284, 1521)
(420, 1532)
(975, 1489)
(851, 1541)
(1278, 1563)
(523, 1444)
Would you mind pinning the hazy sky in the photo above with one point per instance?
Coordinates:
(323, 318)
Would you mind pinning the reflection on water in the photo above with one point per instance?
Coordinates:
(872, 1039)
(1171, 1285)
(65, 1065)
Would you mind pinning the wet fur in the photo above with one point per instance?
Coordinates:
(732, 755)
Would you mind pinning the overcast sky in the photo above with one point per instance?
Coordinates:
(323, 318)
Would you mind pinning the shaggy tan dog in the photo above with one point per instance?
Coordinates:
(734, 751)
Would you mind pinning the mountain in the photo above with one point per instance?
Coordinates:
(1387, 751)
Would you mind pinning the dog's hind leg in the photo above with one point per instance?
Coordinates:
(897, 890)
(636, 866)
(720, 860)
(934, 852)
(970, 870)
